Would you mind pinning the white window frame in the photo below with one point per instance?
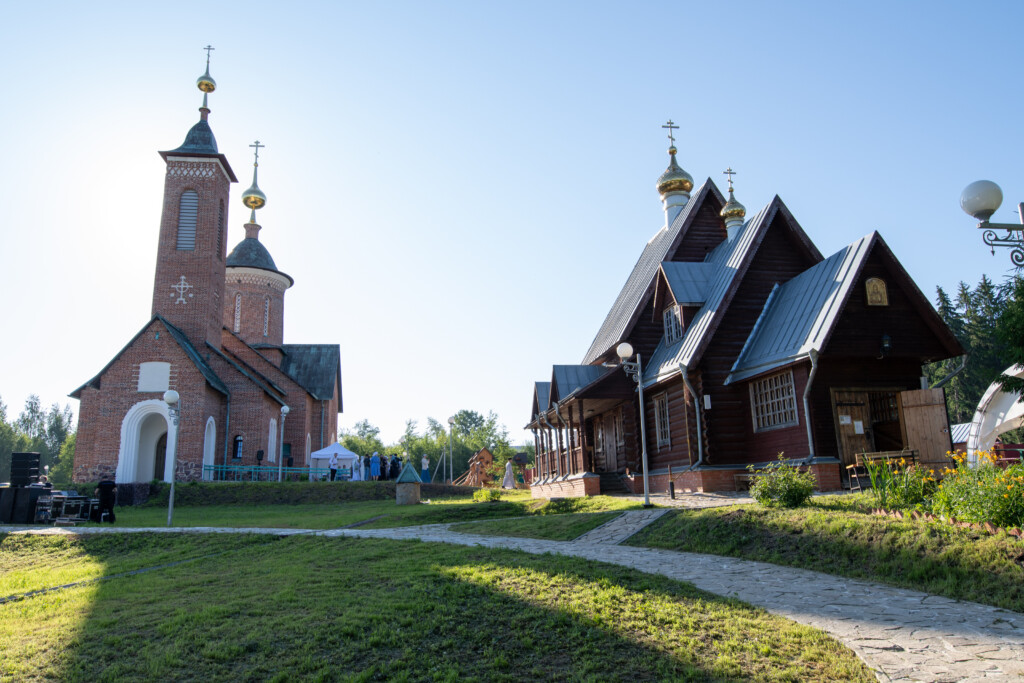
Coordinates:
(238, 312)
(671, 319)
(188, 219)
(773, 402)
(662, 421)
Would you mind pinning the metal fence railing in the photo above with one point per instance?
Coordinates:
(270, 473)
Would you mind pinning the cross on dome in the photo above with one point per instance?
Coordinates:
(671, 127)
(729, 172)
(256, 145)
(208, 49)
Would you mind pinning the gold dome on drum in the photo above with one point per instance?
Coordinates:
(732, 208)
(674, 179)
(206, 82)
(254, 197)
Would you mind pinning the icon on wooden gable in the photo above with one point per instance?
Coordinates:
(877, 293)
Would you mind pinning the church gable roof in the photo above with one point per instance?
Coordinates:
(248, 374)
(631, 298)
(728, 264)
(541, 398)
(799, 314)
(179, 337)
(317, 367)
(688, 281)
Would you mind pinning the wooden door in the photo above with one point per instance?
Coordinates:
(926, 424)
(853, 424)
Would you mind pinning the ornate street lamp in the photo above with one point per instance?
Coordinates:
(280, 446)
(981, 199)
(171, 398)
(635, 372)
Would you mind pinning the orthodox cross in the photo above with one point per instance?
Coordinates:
(208, 48)
(729, 172)
(181, 288)
(257, 146)
(671, 127)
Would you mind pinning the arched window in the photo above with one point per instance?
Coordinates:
(220, 231)
(238, 312)
(266, 316)
(236, 447)
(188, 213)
(272, 442)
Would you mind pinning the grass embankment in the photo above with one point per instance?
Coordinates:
(359, 609)
(838, 535)
(553, 528)
(375, 513)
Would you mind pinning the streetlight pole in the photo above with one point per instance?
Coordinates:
(634, 371)
(981, 199)
(451, 465)
(171, 398)
(280, 446)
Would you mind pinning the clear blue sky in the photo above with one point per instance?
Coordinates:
(460, 189)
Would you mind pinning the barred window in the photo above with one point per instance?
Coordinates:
(661, 426)
(773, 402)
(673, 324)
(266, 316)
(238, 312)
(188, 213)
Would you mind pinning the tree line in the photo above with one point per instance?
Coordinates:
(988, 320)
(471, 431)
(36, 430)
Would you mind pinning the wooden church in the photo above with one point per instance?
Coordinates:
(750, 343)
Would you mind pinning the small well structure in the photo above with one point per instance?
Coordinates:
(407, 486)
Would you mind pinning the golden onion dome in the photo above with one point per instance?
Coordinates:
(674, 179)
(254, 197)
(732, 208)
(206, 82)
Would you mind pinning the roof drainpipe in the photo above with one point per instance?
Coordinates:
(227, 429)
(813, 354)
(685, 372)
(561, 423)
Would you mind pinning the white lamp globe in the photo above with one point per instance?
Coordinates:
(285, 410)
(624, 350)
(170, 397)
(981, 199)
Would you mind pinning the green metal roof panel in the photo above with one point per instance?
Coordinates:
(408, 475)
(316, 367)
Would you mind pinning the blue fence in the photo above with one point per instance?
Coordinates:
(270, 473)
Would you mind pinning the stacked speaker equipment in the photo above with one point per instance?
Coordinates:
(18, 501)
(24, 469)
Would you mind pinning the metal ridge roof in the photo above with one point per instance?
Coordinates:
(801, 313)
(631, 296)
(726, 259)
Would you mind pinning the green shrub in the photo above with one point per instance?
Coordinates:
(897, 486)
(486, 495)
(983, 493)
(782, 485)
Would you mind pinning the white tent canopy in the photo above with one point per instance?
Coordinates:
(346, 458)
(997, 412)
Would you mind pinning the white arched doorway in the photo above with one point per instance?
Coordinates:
(142, 430)
(209, 448)
(997, 412)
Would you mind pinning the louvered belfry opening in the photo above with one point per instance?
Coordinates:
(188, 212)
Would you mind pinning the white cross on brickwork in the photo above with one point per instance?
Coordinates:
(182, 288)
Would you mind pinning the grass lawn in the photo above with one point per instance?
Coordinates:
(837, 535)
(384, 513)
(305, 608)
(550, 527)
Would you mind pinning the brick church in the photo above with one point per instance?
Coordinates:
(216, 336)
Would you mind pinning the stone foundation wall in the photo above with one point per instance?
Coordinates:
(574, 486)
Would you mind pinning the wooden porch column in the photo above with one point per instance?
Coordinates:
(588, 466)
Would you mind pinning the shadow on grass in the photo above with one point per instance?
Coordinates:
(362, 609)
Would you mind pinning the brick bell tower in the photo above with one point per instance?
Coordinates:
(188, 289)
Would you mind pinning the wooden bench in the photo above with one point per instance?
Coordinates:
(858, 472)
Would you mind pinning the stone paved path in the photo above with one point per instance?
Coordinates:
(903, 635)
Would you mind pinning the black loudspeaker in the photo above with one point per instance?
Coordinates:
(6, 504)
(27, 459)
(24, 507)
(290, 462)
